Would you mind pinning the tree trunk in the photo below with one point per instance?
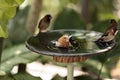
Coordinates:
(33, 16)
(85, 11)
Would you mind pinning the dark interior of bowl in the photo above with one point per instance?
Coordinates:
(44, 43)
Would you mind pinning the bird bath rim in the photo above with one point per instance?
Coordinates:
(50, 53)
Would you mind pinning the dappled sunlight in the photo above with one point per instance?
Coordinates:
(8, 62)
(14, 70)
(17, 52)
(49, 70)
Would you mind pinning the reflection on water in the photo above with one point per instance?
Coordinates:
(103, 45)
(85, 40)
(46, 41)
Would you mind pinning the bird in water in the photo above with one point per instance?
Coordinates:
(44, 23)
(66, 41)
(109, 35)
(63, 41)
(110, 32)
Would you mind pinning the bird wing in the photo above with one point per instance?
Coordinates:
(40, 23)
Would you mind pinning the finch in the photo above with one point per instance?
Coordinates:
(44, 22)
(110, 32)
(63, 41)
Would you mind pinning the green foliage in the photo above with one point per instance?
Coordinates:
(17, 27)
(20, 76)
(7, 11)
(65, 2)
(14, 56)
(102, 4)
(57, 77)
(45, 59)
(68, 19)
(101, 10)
(101, 26)
(94, 66)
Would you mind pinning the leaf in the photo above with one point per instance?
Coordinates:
(3, 33)
(7, 11)
(19, 1)
(25, 76)
(14, 56)
(20, 76)
(94, 66)
(57, 77)
(17, 26)
(100, 26)
(68, 19)
(7, 3)
(6, 14)
(6, 78)
(10, 3)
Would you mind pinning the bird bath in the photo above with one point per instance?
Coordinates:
(43, 43)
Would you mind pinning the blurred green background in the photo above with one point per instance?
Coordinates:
(19, 19)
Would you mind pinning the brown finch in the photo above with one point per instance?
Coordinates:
(63, 41)
(110, 32)
(44, 22)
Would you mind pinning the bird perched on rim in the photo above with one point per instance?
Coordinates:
(44, 22)
(110, 32)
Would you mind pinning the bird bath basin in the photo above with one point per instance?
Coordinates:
(43, 43)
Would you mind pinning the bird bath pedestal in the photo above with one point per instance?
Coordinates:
(43, 43)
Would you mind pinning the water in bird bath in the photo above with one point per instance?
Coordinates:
(45, 43)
